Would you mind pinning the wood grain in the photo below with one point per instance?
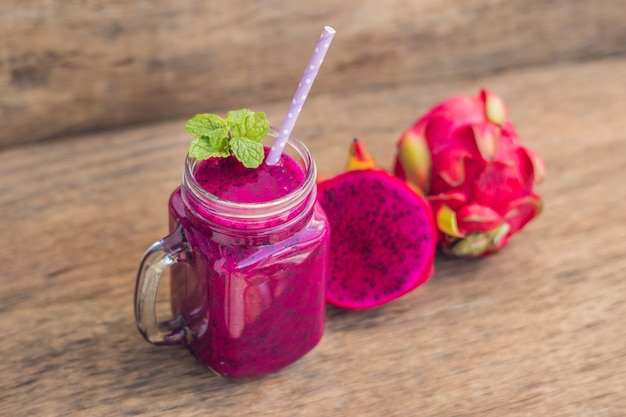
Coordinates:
(538, 329)
(68, 67)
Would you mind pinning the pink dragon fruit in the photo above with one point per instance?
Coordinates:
(383, 237)
(466, 157)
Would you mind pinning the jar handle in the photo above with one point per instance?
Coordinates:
(160, 256)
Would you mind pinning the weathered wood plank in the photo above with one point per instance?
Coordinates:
(536, 330)
(68, 66)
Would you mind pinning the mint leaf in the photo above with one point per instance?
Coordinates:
(248, 151)
(240, 133)
(235, 117)
(248, 124)
(204, 148)
(205, 124)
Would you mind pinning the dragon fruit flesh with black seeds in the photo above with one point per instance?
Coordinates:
(383, 238)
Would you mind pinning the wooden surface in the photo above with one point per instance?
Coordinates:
(537, 330)
(69, 66)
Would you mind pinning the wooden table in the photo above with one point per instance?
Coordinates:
(537, 330)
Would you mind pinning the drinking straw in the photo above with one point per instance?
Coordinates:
(301, 94)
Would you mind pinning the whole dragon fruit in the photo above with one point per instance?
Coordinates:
(466, 157)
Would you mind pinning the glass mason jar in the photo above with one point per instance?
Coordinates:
(247, 280)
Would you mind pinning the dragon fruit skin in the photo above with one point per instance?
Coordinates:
(466, 157)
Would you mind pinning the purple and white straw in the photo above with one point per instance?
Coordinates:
(301, 94)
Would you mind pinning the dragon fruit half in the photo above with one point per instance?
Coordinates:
(466, 157)
(382, 238)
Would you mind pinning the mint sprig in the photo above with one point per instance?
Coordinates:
(239, 134)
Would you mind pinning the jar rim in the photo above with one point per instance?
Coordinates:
(260, 210)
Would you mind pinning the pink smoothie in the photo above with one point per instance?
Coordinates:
(254, 302)
(228, 179)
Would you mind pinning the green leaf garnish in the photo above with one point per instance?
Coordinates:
(247, 151)
(203, 148)
(240, 134)
(248, 125)
(205, 124)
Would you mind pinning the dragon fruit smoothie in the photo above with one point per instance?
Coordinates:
(248, 246)
(252, 291)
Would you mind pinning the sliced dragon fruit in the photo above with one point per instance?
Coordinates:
(383, 238)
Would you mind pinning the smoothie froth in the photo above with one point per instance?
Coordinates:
(228, 179)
